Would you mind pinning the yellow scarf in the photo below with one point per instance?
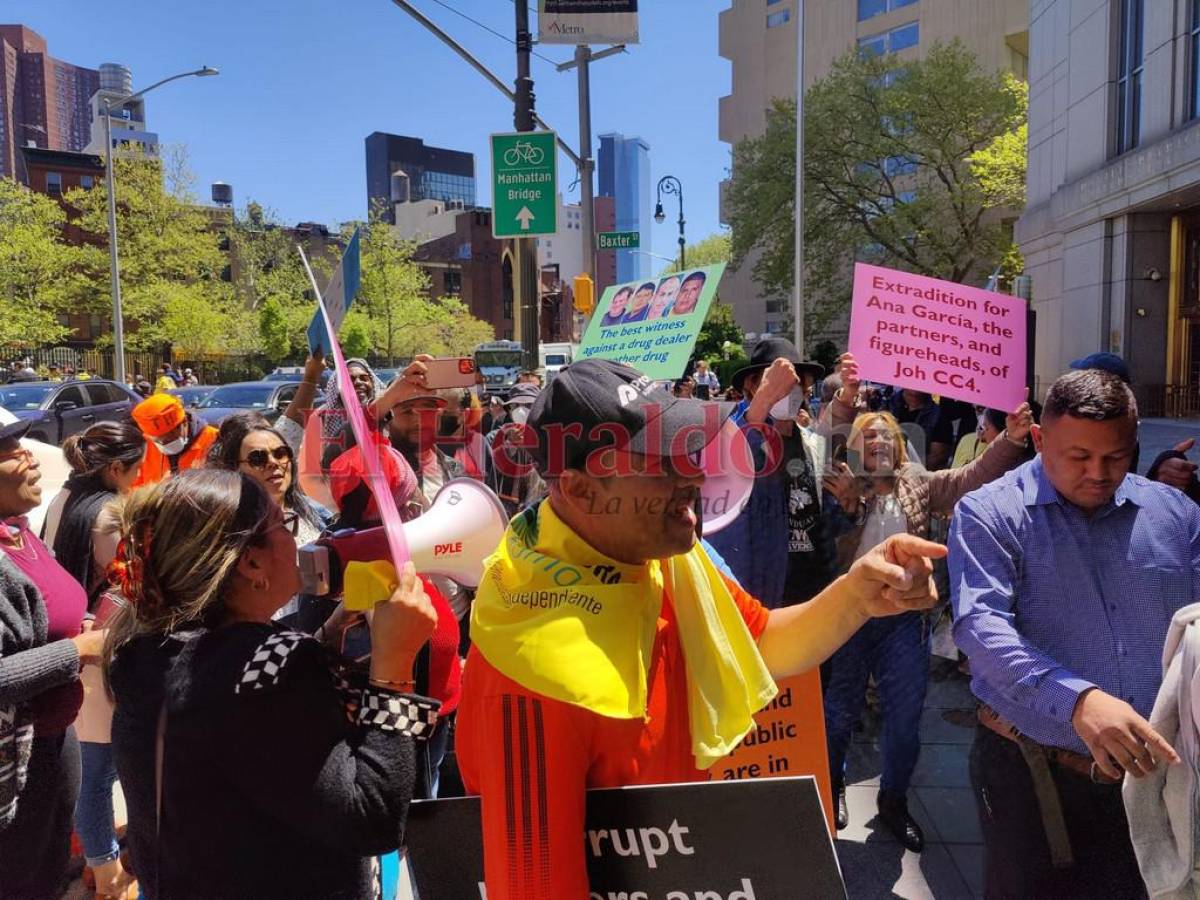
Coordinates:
(560, 618)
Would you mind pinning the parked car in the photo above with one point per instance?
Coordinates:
(295, 373)
(192, 396)
(270, 398)
(59, 410)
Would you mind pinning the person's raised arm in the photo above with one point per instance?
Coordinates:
(302, 402)
(894, 577)
(948, 486)
(409, 382)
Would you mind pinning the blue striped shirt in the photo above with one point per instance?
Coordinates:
(1049, 601)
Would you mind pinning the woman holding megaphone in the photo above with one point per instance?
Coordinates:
(253, 765)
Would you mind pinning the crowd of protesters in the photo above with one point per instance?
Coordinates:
(268, 742)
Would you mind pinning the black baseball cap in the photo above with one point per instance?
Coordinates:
(598, 403)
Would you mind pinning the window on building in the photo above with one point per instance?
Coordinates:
(899, 38)
(1194, 87)
(779, 18)
(87, 182)
(1129, 75)
(899, 165)
(54, 184)
(452, 283)
(869, 9)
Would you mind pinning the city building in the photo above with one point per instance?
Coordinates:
(128, 122)
(472, 265)
(1111, 229)
(430, 173)
(43, 100)
(624, 169)
(564, 249)
(760, 42)
(606, 260)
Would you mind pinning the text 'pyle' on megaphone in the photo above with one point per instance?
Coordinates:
(461, 529)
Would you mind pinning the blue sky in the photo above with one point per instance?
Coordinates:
(303, 83)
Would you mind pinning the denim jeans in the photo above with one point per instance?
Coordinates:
(94, 808)
(896, 651)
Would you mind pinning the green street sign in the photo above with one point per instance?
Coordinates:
(524, 184)
(618, 240)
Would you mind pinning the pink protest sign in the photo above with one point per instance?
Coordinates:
(936, 336)
(376, 480)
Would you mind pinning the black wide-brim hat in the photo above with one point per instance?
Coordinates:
(770, 349)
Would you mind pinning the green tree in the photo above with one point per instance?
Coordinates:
(39, 272)
(273, 328)
(167, 241)
(708, 252)
(913, 166)
(719, 329)
(394, 296)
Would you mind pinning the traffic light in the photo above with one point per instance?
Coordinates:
(585, 295)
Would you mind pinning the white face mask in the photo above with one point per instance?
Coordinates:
(519, 414)
(174, 448)
(789, 405)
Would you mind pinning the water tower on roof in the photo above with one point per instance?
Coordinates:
(222, 193)
(116, 78)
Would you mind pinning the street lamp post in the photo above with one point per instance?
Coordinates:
(669, 184)
(114, 265)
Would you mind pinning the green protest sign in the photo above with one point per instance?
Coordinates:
(652, 324)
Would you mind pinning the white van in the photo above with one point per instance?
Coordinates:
(555, 356)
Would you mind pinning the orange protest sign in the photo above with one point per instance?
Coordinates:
(788, 739)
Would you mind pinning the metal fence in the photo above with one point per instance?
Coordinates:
(216, 369)
(1167, 401)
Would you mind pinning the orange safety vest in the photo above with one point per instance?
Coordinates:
(156, 465)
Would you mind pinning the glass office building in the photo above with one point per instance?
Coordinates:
(624, 167)
(434, 173)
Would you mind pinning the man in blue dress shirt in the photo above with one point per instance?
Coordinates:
(1065, 574)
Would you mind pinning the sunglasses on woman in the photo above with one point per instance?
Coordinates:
(260, 459)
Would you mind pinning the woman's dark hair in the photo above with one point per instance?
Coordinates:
(226, 453)
(997, 418)
(92, 451)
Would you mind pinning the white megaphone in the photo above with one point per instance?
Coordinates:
(460, 530)
(728, 466)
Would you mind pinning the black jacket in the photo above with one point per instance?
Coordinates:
(273, 784)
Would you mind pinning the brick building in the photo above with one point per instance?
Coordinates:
(42, 99)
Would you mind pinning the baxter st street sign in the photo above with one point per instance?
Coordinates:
(618, 240)
(524, 184)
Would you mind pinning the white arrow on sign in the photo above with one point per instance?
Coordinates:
(525, 217)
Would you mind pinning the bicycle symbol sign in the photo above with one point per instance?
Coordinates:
(523, 153)
(524, 184)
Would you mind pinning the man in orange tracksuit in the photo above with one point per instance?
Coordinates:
(175, 440)
(587, 615)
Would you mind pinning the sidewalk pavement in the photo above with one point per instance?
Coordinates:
(940, 799)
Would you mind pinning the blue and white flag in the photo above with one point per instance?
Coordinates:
(338, 296)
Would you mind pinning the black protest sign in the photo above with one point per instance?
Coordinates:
(737, 840)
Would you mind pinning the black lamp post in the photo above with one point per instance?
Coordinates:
(669, 184)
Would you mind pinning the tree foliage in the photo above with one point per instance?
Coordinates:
(394, 296)
(914, 166)
(708, 252)
(719, 328)
(170, 249)
(39, 277)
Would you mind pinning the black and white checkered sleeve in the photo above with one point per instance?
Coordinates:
(409, 714)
